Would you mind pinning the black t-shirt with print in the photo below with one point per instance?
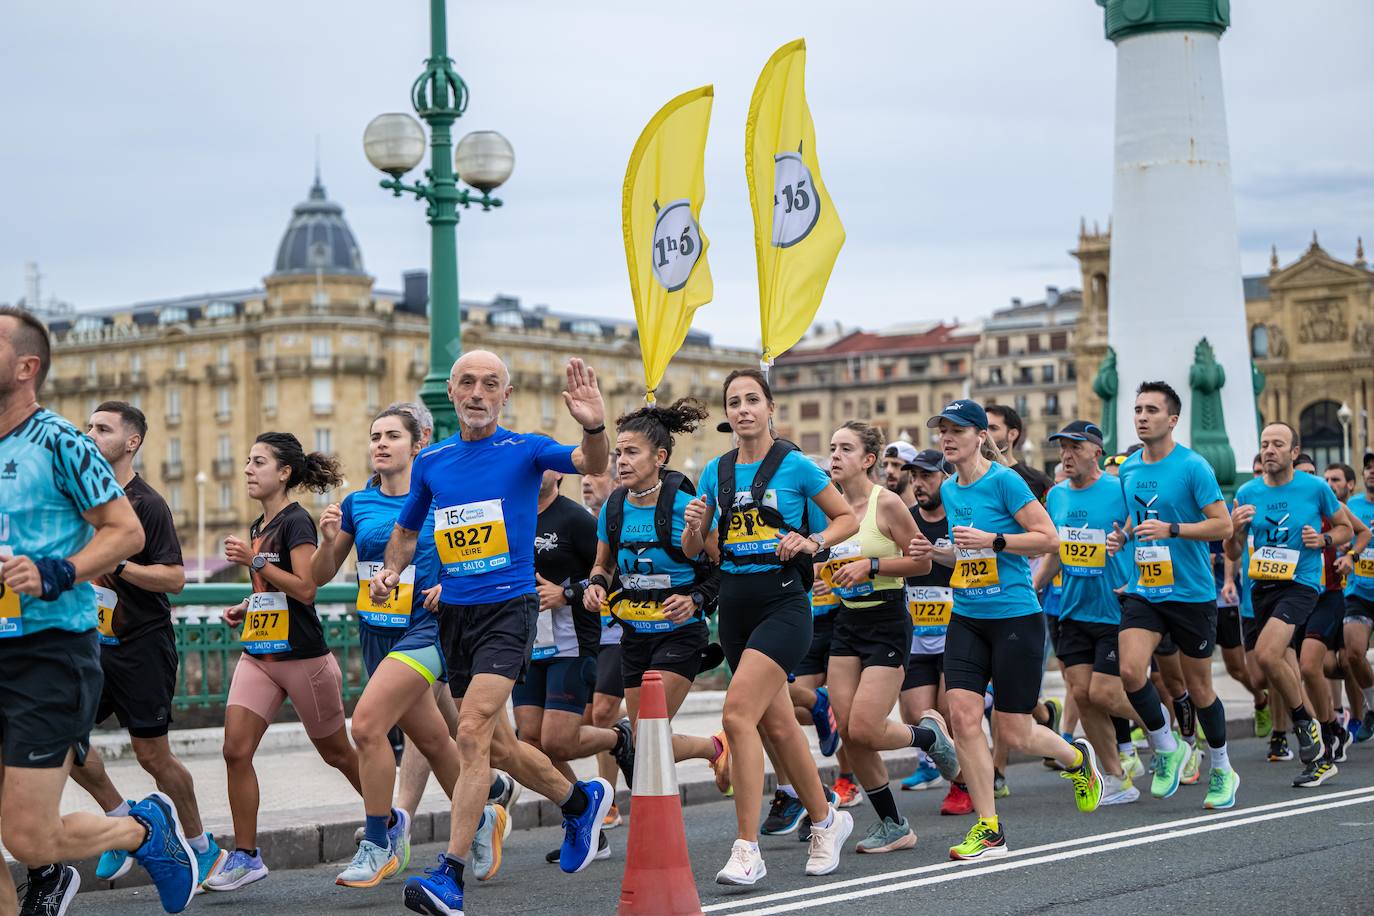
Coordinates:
(291, 527)
(139, 611)
(564, 551)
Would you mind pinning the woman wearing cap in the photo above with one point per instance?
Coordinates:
(996, 632)
(753, 504)
(872, 635)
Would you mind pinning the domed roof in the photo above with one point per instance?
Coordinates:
(318, 238)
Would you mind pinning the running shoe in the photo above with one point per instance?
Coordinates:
(1315, 773)
(721, 766)
(486, 842)
(1264, 721)
(603, 851)
(804, 828)
(1118, 790)
(849, 792)
(1366, 730)
(942, 751)
(827, 729)
(49, 890)
(1310, 744)
(1168, 769)
(783, 815)
(1221, 789)
(745, 867)
(624, 752)
(1000, 787)
(1132, 765)
(239, 869)
(957, 801)
(1340, 742)
(1056, 711)
(398, 835)
(437, 892)
(1279, 751)
(508, 790)
(114, 863)
(1139, 738)
(888, 835)
(1086, 778)
(926, 776)
(826, 844)
(983, 841)
(371, 865)
(208, 863)
(165, 854)
(1192, 768)
(580, 833)
(613, 818)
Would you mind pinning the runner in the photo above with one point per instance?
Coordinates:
(485, 482)
(1084, 508)
(1176, 508)
(63, 521)
(284, 654)
(1359, 600)
(996, 634)
(753, 498)
(872, 634)
(1283, 511)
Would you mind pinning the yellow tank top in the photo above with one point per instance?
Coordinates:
(868, 543)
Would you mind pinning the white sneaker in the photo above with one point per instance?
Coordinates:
(745, 866)
(823, 856)
(1118, 790)
(1132, 764)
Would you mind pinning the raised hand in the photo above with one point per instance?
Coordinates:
(583, 396)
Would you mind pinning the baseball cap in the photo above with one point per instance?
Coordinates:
(963, 413)
(1368, 459)
(902, 450)
(930, 460)
(1080, 431)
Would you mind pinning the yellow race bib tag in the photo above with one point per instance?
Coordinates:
(606, 618)
(1083, 551)
(748, 535)
(394, 612)
(267, 625)
(643, 616)
(1273, 564)
(824, 604)
(471, 538)
(975, 568)
(842, 555)
(930, 607)
(105, 601)
(11, 616)
(1156, 568)
(1364, 563)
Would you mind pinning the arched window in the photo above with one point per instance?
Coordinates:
(1320, 429)
(1259, 341)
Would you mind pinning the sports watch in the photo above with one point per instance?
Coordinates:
(259, 561)
(999, 543)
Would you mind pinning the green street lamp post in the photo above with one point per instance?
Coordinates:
(395, 144)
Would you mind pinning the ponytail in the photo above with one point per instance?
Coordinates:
(658, 424)
(316, 472)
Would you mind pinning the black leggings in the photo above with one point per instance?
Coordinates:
(767, 612)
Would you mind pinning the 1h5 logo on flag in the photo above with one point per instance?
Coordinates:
(676, 244)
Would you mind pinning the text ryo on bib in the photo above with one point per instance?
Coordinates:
(395, 610)
(267, 625)
(105, 601)
(1083, 551)
(471, 538)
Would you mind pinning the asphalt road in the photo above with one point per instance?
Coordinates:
(1276, 846)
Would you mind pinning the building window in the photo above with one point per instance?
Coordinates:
(179, 358)
(136, 362)
(226, 496)
(909, 403)
(1051, 405)
(995, 376)
(269, 347)
(917, 365)
(784, 412)
(269, 395)
(173, 405)
(811, 443)
(91, 405)
(224, 448)
(321, 346)
(1021, 406)
(1259, 341)
(810, 410)
(222, 404)
(92, 369)
(546, 409)
(374, 396)
(1033, 343)
(886, 370)
(223, 355)
(324, 440)
(174, 450)
(1003, 346)
(1046, 373)
(864, 410)
(322, 394)
(1059, 340)
(1070, 371)
(880, 406)
(174, 497)
(1026, 376)
(954, 366)
(136, 400)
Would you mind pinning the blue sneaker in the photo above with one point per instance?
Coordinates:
(398, 835)
(581, 834)
(925, 777)
(1365, 731)
(942, 752)
(167, 856)
(209, 862)
(784, 815)
(827, 729)
(437, 893)
(237, 870)
(114, 863)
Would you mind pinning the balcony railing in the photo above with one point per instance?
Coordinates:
(173, 470)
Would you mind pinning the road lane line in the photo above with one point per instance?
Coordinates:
(1214, 817)
(1003, 865)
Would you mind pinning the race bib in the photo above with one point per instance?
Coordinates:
(11, 620)
(644, 582)
(840, 555)
(748, 536)
(643, 616)
(545, 645)
(1364, 563)
(929, 606)
(1155, 567)
(606, 618)
(1083, 551)
(975, 568)
(105, 601)
(395, 610)
(824, 604)
(267, 625)
(471, 538)
(1273, 564)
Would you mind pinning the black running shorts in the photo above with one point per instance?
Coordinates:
(487, 639)
(1191, 624)
(49, 690)
(140, 680)
(1009, 652)
(768, 612)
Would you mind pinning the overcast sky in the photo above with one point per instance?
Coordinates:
(155, 149)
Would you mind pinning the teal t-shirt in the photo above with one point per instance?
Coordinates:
(649, 568)
(1083, 519)
(796, 482)
(1360, 582)
(1175, 489)
(1280, 515)
(990, 585)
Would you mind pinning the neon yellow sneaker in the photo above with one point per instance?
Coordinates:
(983, 841)
(1221, 790)
(1192, 768)
(1132, 764)
(1086, 778)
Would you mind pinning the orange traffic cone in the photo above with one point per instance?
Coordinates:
(658, 873)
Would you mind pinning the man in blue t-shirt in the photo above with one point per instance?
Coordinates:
(481, 485)
(1175, 507)
(1280, 517)
(1359, 599)
(63, 521)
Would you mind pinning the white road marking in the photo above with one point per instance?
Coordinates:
(1116, 839)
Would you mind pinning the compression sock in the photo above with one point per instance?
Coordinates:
(921, 737)
(1122, 727)
(1213, 719)
(883, 803)
(1185, 715)
(1146, 703)
(374, 830)
(576, 802)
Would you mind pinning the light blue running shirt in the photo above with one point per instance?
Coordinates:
(1175, 489)
(1280, 515)
(797, 482)
(989, 585)
(1083, 519)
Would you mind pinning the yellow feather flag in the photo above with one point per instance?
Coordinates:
(665, 248)
(797, 231)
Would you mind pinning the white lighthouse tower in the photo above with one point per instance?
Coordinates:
(1175, 277)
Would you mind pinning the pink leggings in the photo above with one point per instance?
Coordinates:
(315, 686)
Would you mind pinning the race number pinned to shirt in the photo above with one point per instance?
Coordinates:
(471, 538)
(545, 643)
(824, 604)
(1273, 564)
(748, 535)
(840, 555)
(930, 608)
(267, 625)
(1155, 567)
(676, 245)
(394, 612)
(643, 615)
(1083, 551)
(105, 601)
(975, 568)
(1364, 564)
(11, 619)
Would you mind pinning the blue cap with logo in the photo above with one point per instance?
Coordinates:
(930, 460)
(1080, 431)
(961, 413)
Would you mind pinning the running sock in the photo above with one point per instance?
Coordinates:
(1122, 727)
(1163, 740)
(1368, 697)
(456, 865)
(121, 810)
(576, 802)
(789, 791)
(1186, 715)
(1213, 719)
(829, 818)
(921, 737)
(1300, 714)
(990, 822)
(200, 844)
(883, 803)
(1221, 757)
(374, 830)
(1146, 703)
(753, 846)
